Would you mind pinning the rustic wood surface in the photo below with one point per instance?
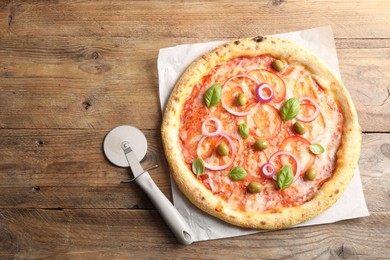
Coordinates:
(72, 70)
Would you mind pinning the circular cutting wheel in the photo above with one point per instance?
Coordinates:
(113, 141)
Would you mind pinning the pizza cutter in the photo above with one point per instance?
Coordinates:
(125, 146)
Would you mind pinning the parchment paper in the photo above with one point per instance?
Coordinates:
(171, 64)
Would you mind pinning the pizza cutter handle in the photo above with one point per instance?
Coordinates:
(172, 217)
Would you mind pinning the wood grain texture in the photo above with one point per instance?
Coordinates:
(102, 234)
(369, 85)
(98, 83)
(151, 20)
(72, 70)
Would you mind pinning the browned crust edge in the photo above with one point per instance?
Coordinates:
(347, 155)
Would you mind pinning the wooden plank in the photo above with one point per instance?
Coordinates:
(363, 75)
(63, 83)
(70, 58)
(152, 20)
(374, 168)
(139, 234)
(67, 169)
(352, 43)
(79, 104)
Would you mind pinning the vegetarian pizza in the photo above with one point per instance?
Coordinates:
(261, 134)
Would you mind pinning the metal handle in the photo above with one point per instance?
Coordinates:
(172, 217)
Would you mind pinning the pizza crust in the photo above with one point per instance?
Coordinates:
(198, 194)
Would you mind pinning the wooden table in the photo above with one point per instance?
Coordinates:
(72, 70)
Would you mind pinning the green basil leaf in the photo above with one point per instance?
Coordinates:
(237, 173)
(290, 109)
(213, 95)
(285, 177)
(317, 148)
(244, 130)
(198, 166)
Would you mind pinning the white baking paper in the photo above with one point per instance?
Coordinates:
(171, 64)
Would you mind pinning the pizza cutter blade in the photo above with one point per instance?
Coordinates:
(126, 146)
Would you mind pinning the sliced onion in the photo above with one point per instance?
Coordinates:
(315, 114)
(236, 113)
(217, 122)
(217, 167)
(299, 166)
(259, 93)
(268, 170)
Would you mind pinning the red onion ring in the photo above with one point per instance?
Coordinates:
(236, 113)
(259, 93)
(216, 132)
(315, 114)
(218, 167)
(265, 170)
(299, 166)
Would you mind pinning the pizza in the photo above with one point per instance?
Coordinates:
(261, 134)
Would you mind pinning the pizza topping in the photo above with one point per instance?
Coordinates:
(242, 99)
(204, 178)
(277, 83)
(212, 162)
(255, 187)
(238, 173)
(198, 166)
(222, 149)
(218, 126)
(311, 174)
(297, 162)
(299, 146)
(231, 92)
(260, 144)
(264, 93)
(290, 109)
(260, 138)
(213, 95)
(285, 177)
(314, 115)
(268, 170)
(299, 128)
(243, 130)
(278, 65)
(316, 149)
